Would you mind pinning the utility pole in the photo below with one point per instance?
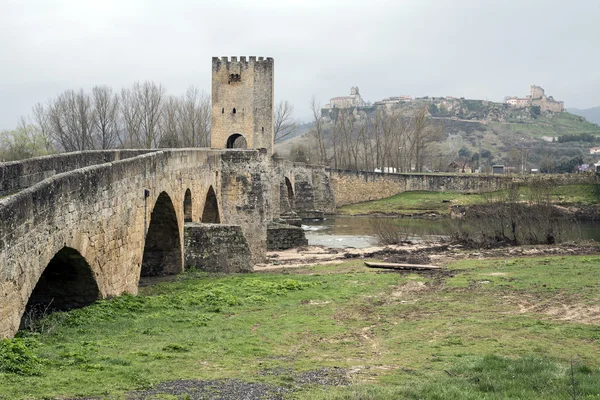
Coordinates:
(522, 156)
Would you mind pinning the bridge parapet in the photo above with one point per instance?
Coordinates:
(19, 175)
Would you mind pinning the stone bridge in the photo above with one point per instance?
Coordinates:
(76, 227)
(81, 226)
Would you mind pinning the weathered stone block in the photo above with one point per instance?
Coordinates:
(283, 237)
(216, 248)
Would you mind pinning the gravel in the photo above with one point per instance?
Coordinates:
(235, 389)
(224, 389)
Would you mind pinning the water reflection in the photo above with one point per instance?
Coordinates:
(339, 231)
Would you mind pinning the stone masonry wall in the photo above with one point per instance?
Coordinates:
(350, 187)
(216, 248)
(284, 236)
(247, 190)
(18, 175)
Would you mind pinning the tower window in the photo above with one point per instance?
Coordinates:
(223, 111)
(263, 129)
(234, 110)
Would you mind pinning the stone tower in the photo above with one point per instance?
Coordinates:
(242, 103)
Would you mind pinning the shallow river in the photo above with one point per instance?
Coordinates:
(341, 231)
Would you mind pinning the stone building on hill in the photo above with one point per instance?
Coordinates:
(537, 98)
(354, 100)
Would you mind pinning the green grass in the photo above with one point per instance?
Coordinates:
(577, 194)
(420, 202)
(412, 203)
(556, 125)
(496, 329)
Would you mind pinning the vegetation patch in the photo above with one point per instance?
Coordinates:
(327, 332)
(17, 357)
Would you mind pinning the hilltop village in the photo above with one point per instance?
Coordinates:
(536, 103)
(531, 133)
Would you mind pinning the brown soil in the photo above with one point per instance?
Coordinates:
(559, 308)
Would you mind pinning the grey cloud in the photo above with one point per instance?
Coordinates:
(471, 48)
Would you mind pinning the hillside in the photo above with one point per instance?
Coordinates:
(557, 141)
(591, 114)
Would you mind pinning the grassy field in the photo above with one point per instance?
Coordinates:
(419, 202)
(556, 125)
(497, 329)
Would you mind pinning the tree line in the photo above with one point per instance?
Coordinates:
(389, 140)
(140, 116)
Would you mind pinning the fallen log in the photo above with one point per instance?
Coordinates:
(375, 264)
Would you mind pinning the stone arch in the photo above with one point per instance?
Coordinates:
(162, 249)
(210, 215)
(237, 141)
(66, 283)
(187, 206)
(286, 196)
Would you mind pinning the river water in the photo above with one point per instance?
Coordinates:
(339, 231)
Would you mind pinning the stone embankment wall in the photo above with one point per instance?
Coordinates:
(284, 236)
(18, 175)
(216, 248)
(350, 187)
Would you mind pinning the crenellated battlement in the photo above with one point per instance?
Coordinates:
(228, 61)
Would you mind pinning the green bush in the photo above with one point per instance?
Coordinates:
(17, 357)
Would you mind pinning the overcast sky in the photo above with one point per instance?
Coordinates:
(483, 49)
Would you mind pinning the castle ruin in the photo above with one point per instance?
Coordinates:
(537, 98)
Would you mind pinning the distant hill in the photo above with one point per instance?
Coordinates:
(550, 138)
(591, 114)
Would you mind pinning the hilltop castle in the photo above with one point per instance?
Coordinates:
(537, 98)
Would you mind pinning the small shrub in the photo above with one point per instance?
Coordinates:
(257, 299)
(387, 232)
(176, 348)
(507, 219)
(17, 357)
(264, 288)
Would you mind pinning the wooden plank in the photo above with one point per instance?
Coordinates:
(375, 264)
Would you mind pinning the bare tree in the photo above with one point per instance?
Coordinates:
(169, 122)
(195, 118)
(150, 99)
(71, 120)
(42, 122)
(318, 130)
(424, 133)
(283, 120)
(106, 116)
(132, 118)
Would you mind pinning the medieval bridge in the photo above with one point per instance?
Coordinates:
(81, 226)
(77, 227)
